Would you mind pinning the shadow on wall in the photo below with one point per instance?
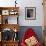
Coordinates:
(37, 29)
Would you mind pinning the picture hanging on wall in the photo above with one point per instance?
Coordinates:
(30, 13)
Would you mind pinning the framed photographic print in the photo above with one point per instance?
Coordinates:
(30, 13)
(5, 12)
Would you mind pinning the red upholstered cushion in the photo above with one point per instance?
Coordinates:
(29, 33)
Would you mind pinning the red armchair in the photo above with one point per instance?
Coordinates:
(30, 34)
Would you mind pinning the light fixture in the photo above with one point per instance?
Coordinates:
(15, 3)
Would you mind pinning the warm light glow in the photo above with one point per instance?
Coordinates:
(0, 36)
(12, 10)
(0, 17)
(15, 30)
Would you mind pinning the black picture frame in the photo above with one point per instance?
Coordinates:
(30, 13)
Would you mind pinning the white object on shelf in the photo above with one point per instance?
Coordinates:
(12, 20)
(11, 12)
(5, 12)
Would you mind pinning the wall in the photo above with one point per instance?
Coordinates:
(27, 3)
(39, 12)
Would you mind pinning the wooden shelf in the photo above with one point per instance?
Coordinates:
(4, 13)
(10, 43)
(9, 8)
(11, 26)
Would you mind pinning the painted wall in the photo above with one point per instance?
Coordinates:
(26, 3)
